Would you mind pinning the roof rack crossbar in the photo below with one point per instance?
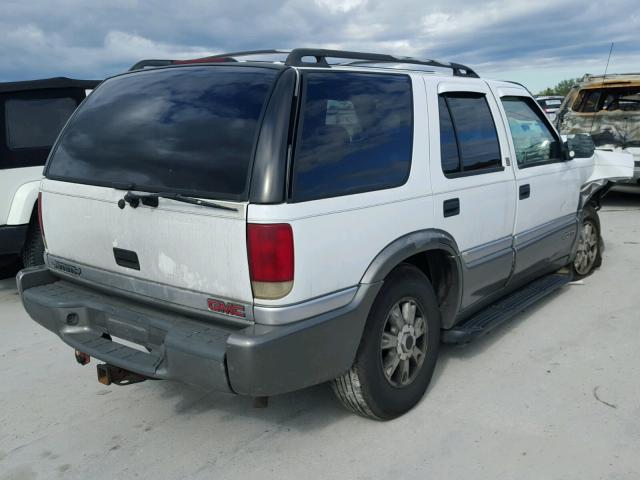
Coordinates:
(150, 63)
(247, 53)
(296, 56)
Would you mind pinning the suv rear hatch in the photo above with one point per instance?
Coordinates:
(183, 133)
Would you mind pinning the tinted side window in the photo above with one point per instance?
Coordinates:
(533, 140)
(355, 134)
(36, 123)
(474, 131)
(448, 143)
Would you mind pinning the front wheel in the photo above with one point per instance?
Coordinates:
(398, 350)
(589, 252)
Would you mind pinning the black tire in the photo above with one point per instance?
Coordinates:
(33, 251)
(365, 388)
(589, 251)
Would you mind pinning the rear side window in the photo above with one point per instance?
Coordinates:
(186, 130)
(355, 134)
(36, 123)
(623, 99)
(468, 137)
(587, 101)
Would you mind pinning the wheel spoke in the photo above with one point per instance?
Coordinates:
(420, 327)
(391, 363)
(417, 355)
(396, 318)
(389, 341)
(404, 371)
(409, 312)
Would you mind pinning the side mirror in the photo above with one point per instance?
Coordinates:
(579, 145)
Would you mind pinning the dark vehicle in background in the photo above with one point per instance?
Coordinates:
(608, 108)
(32, 113)
(550, 105)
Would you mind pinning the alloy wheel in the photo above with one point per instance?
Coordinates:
(587, 248)
(404, 342)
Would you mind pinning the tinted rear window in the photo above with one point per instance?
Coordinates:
(36, 123)
(356, 134)
(187, 129)
(553, 103)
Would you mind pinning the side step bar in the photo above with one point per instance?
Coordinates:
(505, 309)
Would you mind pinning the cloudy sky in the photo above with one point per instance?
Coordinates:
(537, 43)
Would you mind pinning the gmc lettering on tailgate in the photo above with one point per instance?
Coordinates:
(225, 308)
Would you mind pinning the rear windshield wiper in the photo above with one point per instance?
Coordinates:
(151, 200)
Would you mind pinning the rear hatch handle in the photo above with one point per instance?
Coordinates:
(151, 200)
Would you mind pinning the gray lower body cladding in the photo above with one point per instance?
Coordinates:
(256, 360)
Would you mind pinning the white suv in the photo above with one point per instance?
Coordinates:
(260, 227)
(32, 113)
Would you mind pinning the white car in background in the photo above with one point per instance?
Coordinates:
(550, 105)
(32, 113)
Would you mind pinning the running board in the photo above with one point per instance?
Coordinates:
(505, 309)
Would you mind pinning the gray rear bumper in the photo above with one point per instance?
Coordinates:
(256, 360)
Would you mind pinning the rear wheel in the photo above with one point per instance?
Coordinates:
(33, 251)
(398, 350)
(589, 252)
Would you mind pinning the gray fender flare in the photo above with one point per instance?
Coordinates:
(419, 242)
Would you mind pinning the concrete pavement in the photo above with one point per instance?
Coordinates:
(555, 394)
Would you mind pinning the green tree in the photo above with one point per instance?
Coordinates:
(562, 88)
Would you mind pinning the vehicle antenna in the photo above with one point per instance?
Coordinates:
(593, 119)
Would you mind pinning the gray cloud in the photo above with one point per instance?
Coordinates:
(94, 39)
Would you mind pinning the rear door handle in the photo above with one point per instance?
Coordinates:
(451, 207)
(525, 191)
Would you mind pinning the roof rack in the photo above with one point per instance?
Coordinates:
(296, 58)
(151, 63)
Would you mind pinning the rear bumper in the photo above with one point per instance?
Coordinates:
(12, 238)
(256, 360)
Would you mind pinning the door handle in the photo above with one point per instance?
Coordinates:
(525, 191)
(451, 207)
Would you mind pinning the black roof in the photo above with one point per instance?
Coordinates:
(56, 82)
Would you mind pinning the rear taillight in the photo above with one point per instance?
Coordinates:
(270, 250)
(44, 240)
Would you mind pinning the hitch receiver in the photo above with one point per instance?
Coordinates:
(108, 374)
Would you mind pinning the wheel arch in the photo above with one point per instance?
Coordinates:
(23, 203)
(436, 254)
(592, 193)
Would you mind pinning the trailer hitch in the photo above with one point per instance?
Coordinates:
(108, 374)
